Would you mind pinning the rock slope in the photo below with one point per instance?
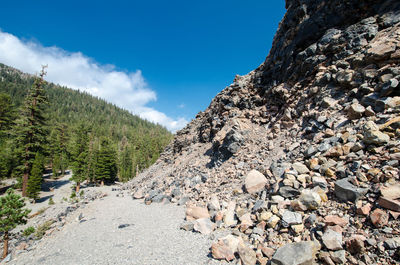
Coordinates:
(299, 159)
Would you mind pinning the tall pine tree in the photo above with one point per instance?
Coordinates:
(36, 178)
(31, 128)
(80, 151)
(106, 164)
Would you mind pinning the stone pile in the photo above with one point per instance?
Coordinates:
(299, 159)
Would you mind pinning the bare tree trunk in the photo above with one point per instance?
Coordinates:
(5, 247)
(78, 187)
(102, 183)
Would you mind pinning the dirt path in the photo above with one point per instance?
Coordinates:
(119, 230)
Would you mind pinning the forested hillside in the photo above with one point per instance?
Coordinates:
(73, 118)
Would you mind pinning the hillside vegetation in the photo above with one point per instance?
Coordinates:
(133, 142)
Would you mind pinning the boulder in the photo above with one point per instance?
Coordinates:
(255, 182)
(355, 111)
(372, 135)
(345, 191)
(386, 203)
(291, 218)
(391, 192)
(310, 199)
(379, 218)
(193, 213)
(332, 240)
(247, 255)
(300, 168)
(221, 251)
(299, 253)
(203, 225)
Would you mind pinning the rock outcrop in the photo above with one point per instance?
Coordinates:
(303, 152)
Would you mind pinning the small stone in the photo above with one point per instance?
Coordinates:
(339, 257)
(187, 226)
(335, 220)
(221, 251)
(247, 255)
(267, 251)
(364, 210)
(298, 253)
(386, 203)
(255, 182)
(193, 213)
(139, 194)
(355, 111)
(245, 219)
(229, 217)
(355, 244)
(310, 199)
(203, 225)
(288, 192)
(332, 240)
(328, 102)
(297, 228)
(214, 205)
(372, 135)
(379, 218)
(391, 192)
(273, 221)
(345, 191)
(300, 168)
(291, 218)
(392, 243)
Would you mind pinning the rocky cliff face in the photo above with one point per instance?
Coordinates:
(303, 149)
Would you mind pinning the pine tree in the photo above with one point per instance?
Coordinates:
(31, 128)
(12, 214)
(80, 155)
(36, 178)
(59, 149)
(6, 114)
(125, 167)
(106, 164)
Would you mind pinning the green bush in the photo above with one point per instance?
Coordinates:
(41, 229)
(28, 231)
(51, 202)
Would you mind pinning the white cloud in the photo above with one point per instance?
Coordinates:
(75, 70)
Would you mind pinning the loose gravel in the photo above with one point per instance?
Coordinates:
(119, 230)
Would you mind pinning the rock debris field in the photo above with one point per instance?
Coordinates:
(119, 230)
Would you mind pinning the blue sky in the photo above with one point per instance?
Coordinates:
(173, 57)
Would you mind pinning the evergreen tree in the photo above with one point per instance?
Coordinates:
(6, 114)
(12, 214)
(36, 178)
(125, 169)
(59, 149)
(106, 164)
(31, 128)
(80, 155)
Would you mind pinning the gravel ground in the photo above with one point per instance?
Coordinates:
(149, 235)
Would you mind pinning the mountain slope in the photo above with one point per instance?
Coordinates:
(318, 122)
(69, 107)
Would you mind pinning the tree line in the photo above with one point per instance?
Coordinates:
(43, 125)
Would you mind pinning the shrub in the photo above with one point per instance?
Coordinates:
(41, 229)
(28, 231)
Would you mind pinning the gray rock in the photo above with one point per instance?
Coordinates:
(372, 135)
(247, 255)
(310, 199)
(345, 191)
(392, 243)
(339, 257)
(204, 226)
(300, 168)
(183, 200)
(300, 253)
(288, 192)
(291, 218)
(332, 240)
(187, 226)
(310, 151)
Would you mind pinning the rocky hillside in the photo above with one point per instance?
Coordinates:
(299, 159)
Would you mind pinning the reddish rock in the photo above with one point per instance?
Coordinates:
(221, 251)
(386, 203)
(391, 192)
(379, 218)
(364, 210)
(193, 213)
(335, 220)
(336, 228)
(267, 251)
